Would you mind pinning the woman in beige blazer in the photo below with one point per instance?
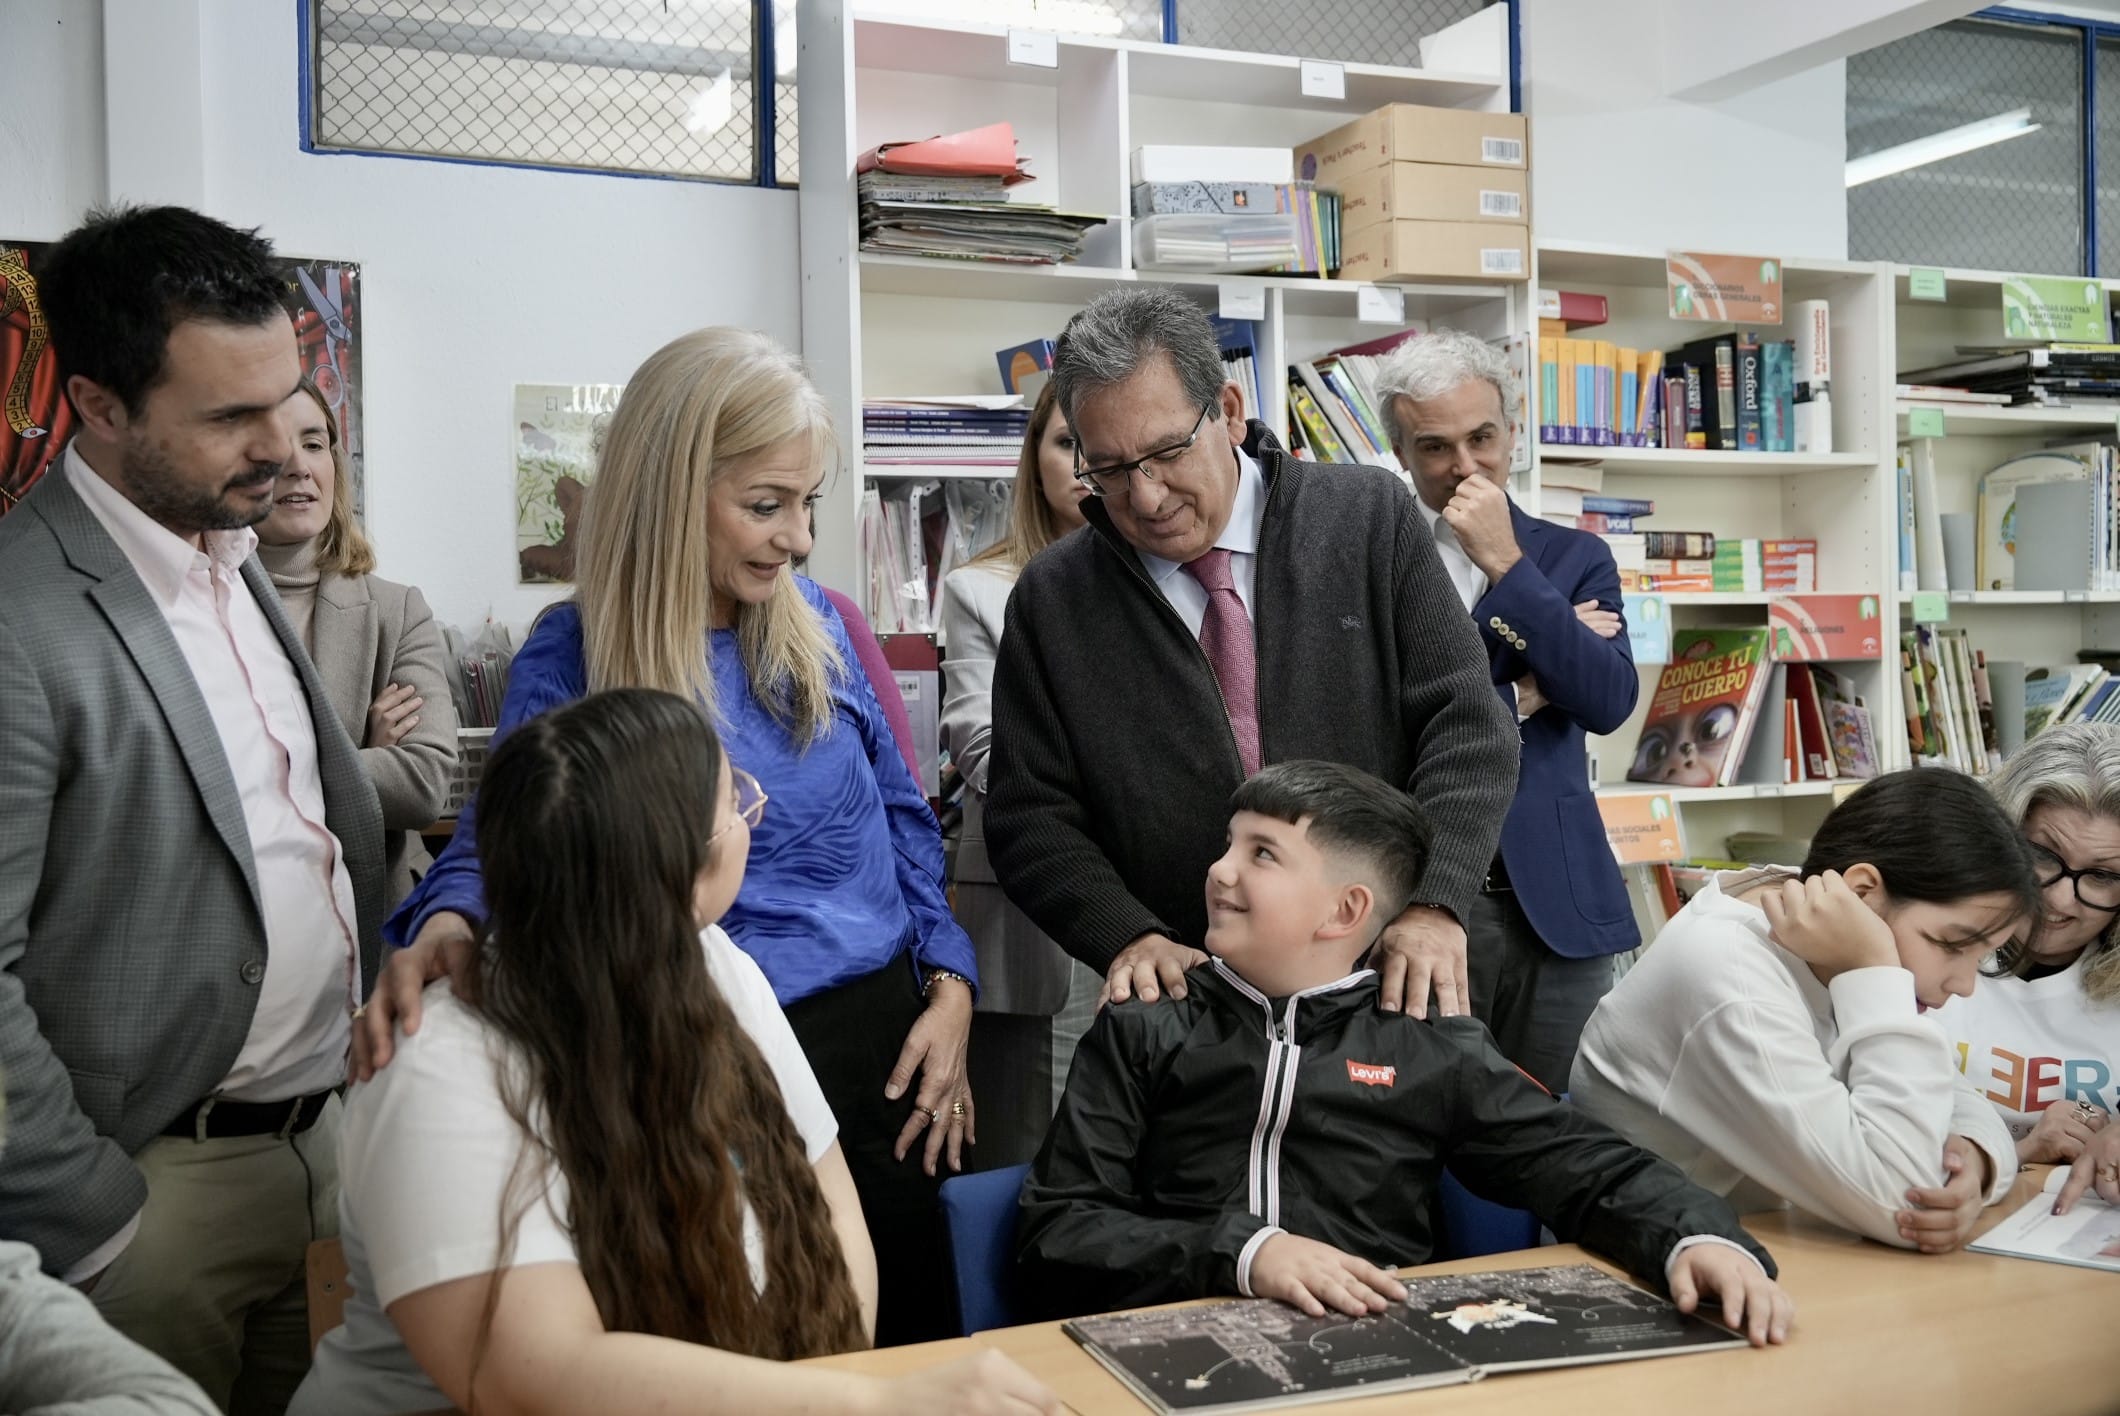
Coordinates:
(374, 642)
(1034, 1001)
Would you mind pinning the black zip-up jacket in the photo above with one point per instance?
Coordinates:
(1113, 760)
(1194, 1129)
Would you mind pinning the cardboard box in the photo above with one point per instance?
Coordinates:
(1408, 132)
(1430, 191)
(1417, 250)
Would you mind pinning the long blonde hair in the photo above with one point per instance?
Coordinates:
(645, 577)
(342, 546)
(1031, 523)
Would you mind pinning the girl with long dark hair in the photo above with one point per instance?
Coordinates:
(601, 1176)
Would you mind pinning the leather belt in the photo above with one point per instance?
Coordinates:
(216, 1117)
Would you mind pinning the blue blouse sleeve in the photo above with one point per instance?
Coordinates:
(939, 942)
(547, 672)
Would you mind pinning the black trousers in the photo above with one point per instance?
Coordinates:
(1011, 1069)
(851, 1036)
(1534, 1001)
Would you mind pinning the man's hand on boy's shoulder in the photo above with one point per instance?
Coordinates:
(1752, 1303)
(1315, 1277)
(1149, 968)
(1420, 952)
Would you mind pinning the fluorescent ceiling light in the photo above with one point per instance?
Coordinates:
(1938, 146)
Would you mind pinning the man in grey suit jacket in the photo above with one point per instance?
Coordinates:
(191, 880)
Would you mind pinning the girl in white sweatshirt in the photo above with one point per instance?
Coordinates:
(1773, 1041)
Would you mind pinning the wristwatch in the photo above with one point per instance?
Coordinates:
(935, 976)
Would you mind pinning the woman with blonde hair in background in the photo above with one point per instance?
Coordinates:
(686, 584)
(1034, 1001)
(374, 641)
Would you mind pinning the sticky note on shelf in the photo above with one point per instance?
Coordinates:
(1932, 606)
(1033, 47)
(1379, 304)
(1925, 283)
(1321, 79)
(1235, 301)
(1924, 422)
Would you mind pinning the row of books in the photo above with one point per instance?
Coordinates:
(978, 430)
(1737, 565)
(1727, 709)
(1949, 700)
(1732, 391)
(2046, 520)
(2054, 375)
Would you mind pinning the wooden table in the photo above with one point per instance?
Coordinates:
(1877, 1330)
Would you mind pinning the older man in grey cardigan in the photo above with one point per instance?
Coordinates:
(1229, 606)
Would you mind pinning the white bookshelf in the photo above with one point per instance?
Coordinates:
(882, 325)
(1845, 500)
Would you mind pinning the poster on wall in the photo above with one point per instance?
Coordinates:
(322, 297)
(559, 430)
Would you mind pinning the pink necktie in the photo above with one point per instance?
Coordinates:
(1225, 637)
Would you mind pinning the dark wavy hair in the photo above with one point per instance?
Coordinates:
(595, 822)
(1932, 834)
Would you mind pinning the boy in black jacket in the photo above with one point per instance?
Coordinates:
(1274, 1133)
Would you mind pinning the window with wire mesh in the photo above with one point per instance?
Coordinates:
(2012, 202)
(2106, 121)
(1352, 31)
(787, 150)
(664, 87)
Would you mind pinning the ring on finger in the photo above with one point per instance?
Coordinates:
(928, 1111)
(2087, 1112)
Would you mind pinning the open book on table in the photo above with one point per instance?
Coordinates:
(2087, 1236)
(1260, 1354)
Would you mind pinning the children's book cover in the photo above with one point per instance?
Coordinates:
(1700, 716)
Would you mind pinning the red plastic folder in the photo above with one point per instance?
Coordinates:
(981, 152)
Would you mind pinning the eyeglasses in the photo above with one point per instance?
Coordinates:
(2099, 889)
(1112, 480)
(750, 803)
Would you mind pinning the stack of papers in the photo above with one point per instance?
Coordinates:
(948, 196)
(970, 430)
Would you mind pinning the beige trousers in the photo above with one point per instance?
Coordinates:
(214, 1281)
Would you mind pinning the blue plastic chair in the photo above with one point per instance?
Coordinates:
(1473, 1226)
(979, 1217)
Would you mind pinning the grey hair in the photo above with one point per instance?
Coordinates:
(1430, 365)
(2074, 765)
(1110, 338)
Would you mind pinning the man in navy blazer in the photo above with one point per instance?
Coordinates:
(1547, 603)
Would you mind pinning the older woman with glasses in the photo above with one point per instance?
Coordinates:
(686, 584)
(2042, 1040)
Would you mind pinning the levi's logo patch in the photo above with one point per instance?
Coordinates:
(1369, 1074)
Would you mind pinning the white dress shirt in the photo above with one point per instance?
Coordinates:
(1470, 580)
(1240, 538)
(300, 1032)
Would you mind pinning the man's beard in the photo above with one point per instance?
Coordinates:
(154, 487)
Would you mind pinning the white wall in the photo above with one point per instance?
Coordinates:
(1614, 162)
(51, 116)
(474, 278)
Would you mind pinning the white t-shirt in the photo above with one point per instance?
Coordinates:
(1723, 1053)
(2027, 1044)
(425, 1156)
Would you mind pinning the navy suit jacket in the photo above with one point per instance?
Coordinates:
(1553, 841)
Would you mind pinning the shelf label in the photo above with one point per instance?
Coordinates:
(1723, 288)
(2070, 308)
(1925, 283)
(1378, 304)
(1323, 80)
(1034, 47)
(1961, 597)
(1767, 789)
(1641, 827)
(1240, 302)
(1931, 606)
(2075, 597)
(1924, 422)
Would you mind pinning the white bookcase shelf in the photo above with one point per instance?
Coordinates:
(1979, 420)
(1695, 462)
(879, 325)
